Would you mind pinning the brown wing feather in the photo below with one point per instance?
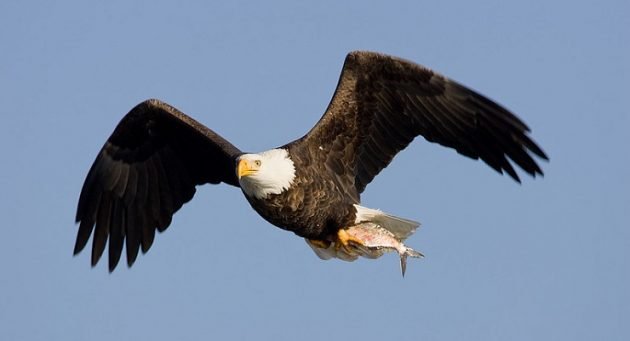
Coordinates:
(382, 103)
(145, 172)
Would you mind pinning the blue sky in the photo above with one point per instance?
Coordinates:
(545, 260)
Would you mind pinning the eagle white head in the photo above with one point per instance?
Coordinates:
(262, 174)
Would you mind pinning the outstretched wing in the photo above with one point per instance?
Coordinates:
(382, 103)
(145, 172)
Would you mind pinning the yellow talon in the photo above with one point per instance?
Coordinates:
(345, 239)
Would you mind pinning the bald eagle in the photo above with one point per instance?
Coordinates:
(150, 165)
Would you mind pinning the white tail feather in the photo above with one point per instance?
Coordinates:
(400, 227)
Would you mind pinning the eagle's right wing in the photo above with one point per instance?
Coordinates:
(145, 172)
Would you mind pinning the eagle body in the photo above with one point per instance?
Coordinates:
(151, 164)
(314, 206)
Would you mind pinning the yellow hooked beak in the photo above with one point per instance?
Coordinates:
(247, 167)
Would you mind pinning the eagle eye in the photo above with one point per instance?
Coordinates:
(257, 162)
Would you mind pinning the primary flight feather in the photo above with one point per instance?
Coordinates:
(150, 165)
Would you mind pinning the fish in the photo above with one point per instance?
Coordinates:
(376, 240)
(368, 240)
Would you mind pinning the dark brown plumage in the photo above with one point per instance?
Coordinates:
(150, 165)
(382, 103)
(145, 172)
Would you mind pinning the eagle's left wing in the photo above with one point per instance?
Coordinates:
(382, 103)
